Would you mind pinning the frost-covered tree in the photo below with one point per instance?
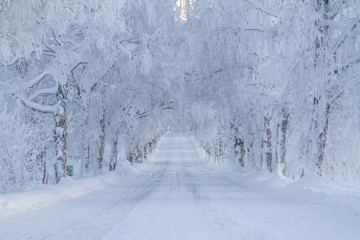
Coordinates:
(269, 85)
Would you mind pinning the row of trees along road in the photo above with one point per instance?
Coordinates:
(269, 85)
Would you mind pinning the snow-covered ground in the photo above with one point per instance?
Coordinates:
(177, 195)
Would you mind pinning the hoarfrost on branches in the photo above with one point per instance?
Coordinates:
(268, 85)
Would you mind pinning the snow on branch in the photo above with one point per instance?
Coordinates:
(38, 78)
(73, 70)
(252, 28)
(236, 29)
(36, 106)
(77, 65)
(44, 91)
(41, 108)
(265, 9)
(13, 61)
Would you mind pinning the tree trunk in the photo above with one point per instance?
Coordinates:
(86, 157)
(42, 157)
(102, 142)
(284, 128)
(267, 144)
(61, 136)
(113, 161)
(322, 141)
(239, 147)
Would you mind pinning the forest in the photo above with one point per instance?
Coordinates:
(267, 85)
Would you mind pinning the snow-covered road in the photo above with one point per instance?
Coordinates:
(178, 196)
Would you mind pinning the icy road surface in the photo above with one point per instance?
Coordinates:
(178, 196)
